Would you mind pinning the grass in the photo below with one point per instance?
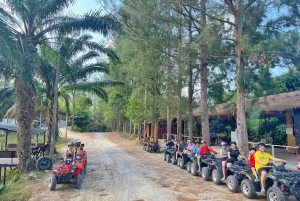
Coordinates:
(13, 139)
(19, 189)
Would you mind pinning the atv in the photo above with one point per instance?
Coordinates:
(185, 160)
(67, 171)
(82, 158)
(153, 147)
(280, 183)
(145, 145)
(235, 174)
(208, 165)
(169, 153)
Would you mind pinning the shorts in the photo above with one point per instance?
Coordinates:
(267, 169)
(224, 158)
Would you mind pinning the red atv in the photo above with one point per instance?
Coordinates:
(67, 171)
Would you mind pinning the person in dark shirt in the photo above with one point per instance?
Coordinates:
(233, 154)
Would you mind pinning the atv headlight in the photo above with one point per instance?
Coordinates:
(56, 171)
(72, 171)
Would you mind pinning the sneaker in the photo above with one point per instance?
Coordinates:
(199, 170)
(257, 179)
(223, 179)
(263, 191)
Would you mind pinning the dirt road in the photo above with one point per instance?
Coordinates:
(119, 169)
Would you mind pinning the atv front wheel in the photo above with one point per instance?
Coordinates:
(53, 182)
(78, 181)
(275, 194)
(216, 177)
(174, 160)
(205, 173)
(168, 158)
(233, 183)
(44, 163)
(247, 189)
(179, 161)
(182, 165)
(188, 166)
(82, 173)
(194, 169)
(85, 166)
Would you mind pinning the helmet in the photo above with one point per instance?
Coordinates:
(261, 144)
(78, 143)
(203, 141)
(233, 142)
(223, 144)
(70, 144)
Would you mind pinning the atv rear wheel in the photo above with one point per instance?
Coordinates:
(275, 194)
(205, 173)
(53, 182)
(179, 161)
(194, 169)
(174, 162)
(44, 163)
(181, 165)
(78, 181)
(233, 183)
(247, 189)
(168, 158)
(216, 177)
(188, 166)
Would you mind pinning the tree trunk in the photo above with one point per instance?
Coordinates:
(54, 125)
(179, 88)
(240, 85)
(73, 107)
(155, 131)
(191, 87)
(203, 76)
(169, 122)
(25, 111)
(130, 127)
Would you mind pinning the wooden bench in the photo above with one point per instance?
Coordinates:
(8, 158)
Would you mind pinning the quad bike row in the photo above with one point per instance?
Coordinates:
(69, 171)
(279, 184)
(151, 147)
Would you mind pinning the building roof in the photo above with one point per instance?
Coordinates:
(14, 128)
(273, 105)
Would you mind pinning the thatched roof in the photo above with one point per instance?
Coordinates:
(269, 105)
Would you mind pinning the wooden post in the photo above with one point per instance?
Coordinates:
(291, 141)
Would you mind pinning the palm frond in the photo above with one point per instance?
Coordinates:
(90, 89)
(6, 93)
(109, 52)
(83, 58)
(90, 69)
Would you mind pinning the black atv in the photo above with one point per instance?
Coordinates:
(153, 147)
(185, 160)
(169, 153)
(235, 174)
(208, 165)
(217, 173)
(280, 183)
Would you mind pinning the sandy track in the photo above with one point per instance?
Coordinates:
(118, 169)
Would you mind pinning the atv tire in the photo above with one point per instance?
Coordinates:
(205, 173)
(179, 161)
(168, 158)
(247, 189)
(181, 165)
(194, 169)
(78, 181)
(188, 166)
(150, 150)
(53, 182)
(274, 193)
(216, 177)
(44, 163)
(174, 162)
(82, 173)
(233, 183)
(297, 198)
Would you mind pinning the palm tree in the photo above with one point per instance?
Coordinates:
(23, 26)
(76, 66)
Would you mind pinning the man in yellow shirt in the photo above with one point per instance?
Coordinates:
(262, 159)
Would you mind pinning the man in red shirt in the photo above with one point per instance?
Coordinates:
(205, 149)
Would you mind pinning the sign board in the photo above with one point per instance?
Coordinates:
(289, 130)
(234, 136)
